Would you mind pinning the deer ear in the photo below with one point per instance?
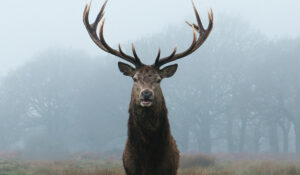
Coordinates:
(168, 71)
(126, 69)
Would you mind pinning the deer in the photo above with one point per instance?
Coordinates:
(150, 147)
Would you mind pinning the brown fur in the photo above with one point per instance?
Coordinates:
(150, 148)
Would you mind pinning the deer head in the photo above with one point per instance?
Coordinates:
(146, 90)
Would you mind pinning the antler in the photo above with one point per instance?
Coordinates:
(203, 34)
(100, 42)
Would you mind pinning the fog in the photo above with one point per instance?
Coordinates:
(60, 94)
(32, 26)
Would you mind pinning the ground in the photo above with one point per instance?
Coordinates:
(190, 165)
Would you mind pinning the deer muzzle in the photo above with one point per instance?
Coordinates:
(146, 98)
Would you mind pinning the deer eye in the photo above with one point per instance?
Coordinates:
(134, 79)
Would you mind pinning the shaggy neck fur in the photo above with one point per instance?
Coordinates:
(148, 127)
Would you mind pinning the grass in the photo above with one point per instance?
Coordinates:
(199, 164)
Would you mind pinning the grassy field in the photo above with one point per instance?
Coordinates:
(190, 165)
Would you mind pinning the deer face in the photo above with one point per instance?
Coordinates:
(146, 89)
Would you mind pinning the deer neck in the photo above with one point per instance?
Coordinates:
(147, 124)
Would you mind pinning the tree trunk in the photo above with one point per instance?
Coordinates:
(285, 128)
(204, 137)
(229, 135)
(285, 142)
(257, 136)
(297, 133)
(183, 139)
(273, 138)
(242, 134)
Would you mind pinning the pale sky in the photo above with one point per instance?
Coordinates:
(33, 26)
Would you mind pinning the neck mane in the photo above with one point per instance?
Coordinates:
(148, 126)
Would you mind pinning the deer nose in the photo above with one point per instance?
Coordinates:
(147, 94)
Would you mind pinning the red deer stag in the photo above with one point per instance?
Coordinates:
(150, 148)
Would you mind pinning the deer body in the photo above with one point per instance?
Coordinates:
(150, 147)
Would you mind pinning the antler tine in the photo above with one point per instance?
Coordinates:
(100, 41)
(92, 28)
(121, 51)
(206, 32)
(175, 56)
(200, 25)
(158, 56)
(137, 59)
(113, 51)
(196, 26)
(173, 53)
(203, 34)
(100, 14)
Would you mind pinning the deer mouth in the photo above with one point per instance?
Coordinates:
(146, 102)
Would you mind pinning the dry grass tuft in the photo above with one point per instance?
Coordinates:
(197, 160)
(203, 171)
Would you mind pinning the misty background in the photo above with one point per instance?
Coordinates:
(60, 94)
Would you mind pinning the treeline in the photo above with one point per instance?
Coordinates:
(240, 92)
